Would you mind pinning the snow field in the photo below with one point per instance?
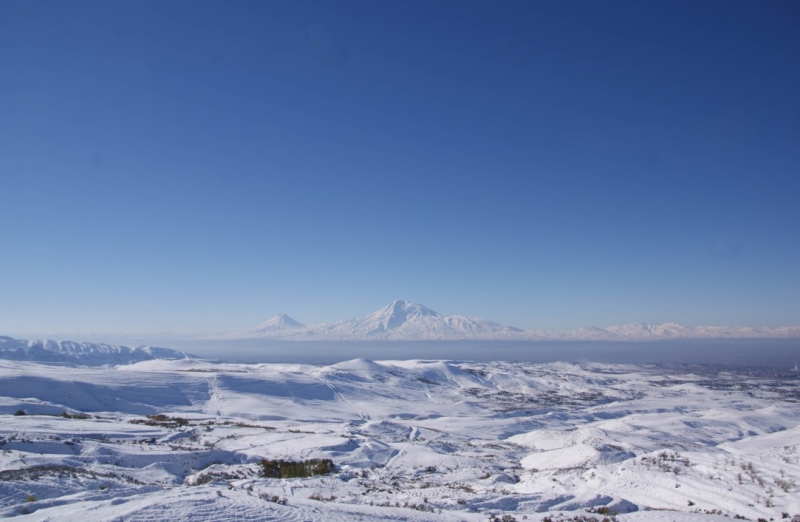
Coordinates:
(412, 440)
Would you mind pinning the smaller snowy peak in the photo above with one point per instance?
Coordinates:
(82, 353)
(277, 327)
(279, 322)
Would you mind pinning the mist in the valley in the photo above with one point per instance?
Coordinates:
(779, 353)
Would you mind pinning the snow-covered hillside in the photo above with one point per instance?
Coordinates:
(415, 440)
(406, 321)
(87, 354)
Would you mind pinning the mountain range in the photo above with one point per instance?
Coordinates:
(82, 353)
(405, 321)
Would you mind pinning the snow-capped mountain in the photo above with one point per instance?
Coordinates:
(87, 354)
(400, 320)
(405, 321)
(276, 327)
(278, 323)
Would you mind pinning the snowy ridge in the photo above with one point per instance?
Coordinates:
(406, 321)
(667, 331)
(87, 354)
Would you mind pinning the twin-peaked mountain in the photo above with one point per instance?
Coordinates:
(406, 321)
(399, 321)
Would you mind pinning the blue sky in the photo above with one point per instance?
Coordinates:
(184, 166)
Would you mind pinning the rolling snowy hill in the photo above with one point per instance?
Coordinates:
(86, 354)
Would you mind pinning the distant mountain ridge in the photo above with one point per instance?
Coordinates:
(400, 320)
(666, 331)
(82, 353)
(406, 321)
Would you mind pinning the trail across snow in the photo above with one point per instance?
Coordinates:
(214, 403)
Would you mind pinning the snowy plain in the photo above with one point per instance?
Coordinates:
(410, 439)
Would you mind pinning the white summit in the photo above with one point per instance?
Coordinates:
(403, 320)
(279, 323)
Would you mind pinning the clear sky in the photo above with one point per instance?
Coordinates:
(194, 165)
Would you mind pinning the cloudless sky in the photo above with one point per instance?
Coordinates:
(194, 165)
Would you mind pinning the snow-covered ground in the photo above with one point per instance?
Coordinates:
(411, 440)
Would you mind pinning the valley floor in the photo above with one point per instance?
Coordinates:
(410, 440)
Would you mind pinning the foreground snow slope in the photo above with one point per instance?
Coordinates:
(411, 440)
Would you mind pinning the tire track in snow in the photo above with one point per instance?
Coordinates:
(213, 407)
(341, 398)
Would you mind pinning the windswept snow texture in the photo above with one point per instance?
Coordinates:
(86, 354)
(405, 321)
(411, 440)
